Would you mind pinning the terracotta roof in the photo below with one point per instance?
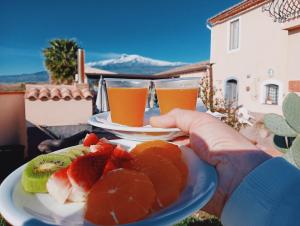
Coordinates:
(190, 68)
(57, 92)
(234, 10)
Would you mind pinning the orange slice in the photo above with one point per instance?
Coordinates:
(164, 175)
(155, 143)
(121, 196)
(167, 150)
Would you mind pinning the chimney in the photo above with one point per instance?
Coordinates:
(80, 63)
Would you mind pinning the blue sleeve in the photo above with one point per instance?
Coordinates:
(268, 196)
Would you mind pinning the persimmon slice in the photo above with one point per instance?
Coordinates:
(164, 175)
(167, 150)
(121, 196)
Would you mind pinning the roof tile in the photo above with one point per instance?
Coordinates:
(57, 92)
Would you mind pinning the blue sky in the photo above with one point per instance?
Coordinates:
(173, 30)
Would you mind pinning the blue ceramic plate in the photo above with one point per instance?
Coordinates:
(21, 208)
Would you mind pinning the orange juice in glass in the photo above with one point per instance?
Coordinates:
(127, 100)
(177, 93)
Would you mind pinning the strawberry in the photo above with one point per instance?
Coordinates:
(102, 140)
(105, 149)
(118, 159)
(85, 171)
(59, 186)
(110, 165)
(121, 154)
(90, 139)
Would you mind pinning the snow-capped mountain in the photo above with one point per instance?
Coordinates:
(135, 64)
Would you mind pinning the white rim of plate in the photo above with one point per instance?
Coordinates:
(110, 126)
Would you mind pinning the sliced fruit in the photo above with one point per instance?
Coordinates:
(69, 155)
(38, 171)
(59, 186)
(90, 139)
(81, 148)
(110, 165)
(121, 154)
(119, 158)
(167, 150)
(73, 153)
(103, 140)
(122, 196)
(85, 171)
(77, 195)
(105, 149)
(155, 143)
(165, 177)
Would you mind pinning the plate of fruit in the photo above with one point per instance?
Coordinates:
(105, 183)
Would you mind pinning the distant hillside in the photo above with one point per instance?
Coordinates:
(135, 64)
(126, 64)
(37, 77)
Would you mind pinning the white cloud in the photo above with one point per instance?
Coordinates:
(101, 56)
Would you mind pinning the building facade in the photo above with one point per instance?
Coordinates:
(256, 61)
(196, 70)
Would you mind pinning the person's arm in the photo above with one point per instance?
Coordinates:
(253, 188)
(268, 196)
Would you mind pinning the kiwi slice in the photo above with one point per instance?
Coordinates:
(74, 153)
(70, 155)
(39, 169)
(78, 152)
(82, 148)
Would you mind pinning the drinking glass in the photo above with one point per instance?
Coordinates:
(177, 93)
(127, 100)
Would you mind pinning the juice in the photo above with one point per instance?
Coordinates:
(170, 98)
(127, 105)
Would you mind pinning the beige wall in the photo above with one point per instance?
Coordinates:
(12, 119)
(194, 74)
(264, 45)
(58, 113)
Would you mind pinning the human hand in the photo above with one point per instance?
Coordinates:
(233, 155)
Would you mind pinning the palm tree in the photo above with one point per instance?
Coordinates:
(61, 60)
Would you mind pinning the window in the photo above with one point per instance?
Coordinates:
(234, 34)
(272, 94)
(231, 92)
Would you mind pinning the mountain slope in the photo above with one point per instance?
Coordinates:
(135, 64)
(126, 64)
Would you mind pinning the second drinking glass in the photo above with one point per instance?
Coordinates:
(177, 93)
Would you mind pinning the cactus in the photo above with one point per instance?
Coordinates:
(282, 143)
(295, 150)
(291, 110)
(279, 126)
(287, 128)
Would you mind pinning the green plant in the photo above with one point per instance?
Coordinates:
(218, 104)
(207, 92)
(61, 60)
(287, 128)
(2, 221)
(194, 221)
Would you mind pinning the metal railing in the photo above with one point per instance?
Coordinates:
(283, 10)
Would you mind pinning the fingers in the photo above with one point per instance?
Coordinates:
(182, 119)
(189, 122)
(206, 132)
